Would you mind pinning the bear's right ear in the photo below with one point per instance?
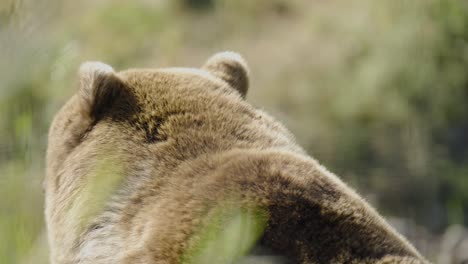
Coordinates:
(231, 68)
(99, 87)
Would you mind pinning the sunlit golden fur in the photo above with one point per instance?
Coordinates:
(137, 159)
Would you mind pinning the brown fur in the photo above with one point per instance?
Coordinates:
(167, 146)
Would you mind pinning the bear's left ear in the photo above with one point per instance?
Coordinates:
(231, 68)
(99, 87)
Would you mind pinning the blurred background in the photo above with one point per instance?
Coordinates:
(377, 91)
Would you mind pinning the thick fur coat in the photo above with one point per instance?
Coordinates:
(138, 160)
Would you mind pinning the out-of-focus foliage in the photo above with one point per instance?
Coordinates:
(375, 90)
(228, 234)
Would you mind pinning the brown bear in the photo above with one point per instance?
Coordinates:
(143, 163)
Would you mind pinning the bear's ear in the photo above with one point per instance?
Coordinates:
(99, 87)
(230, 67)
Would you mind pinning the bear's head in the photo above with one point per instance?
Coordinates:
(139, 100)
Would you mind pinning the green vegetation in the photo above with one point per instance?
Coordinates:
(229, 234)
(375, 90)
(102, 182)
